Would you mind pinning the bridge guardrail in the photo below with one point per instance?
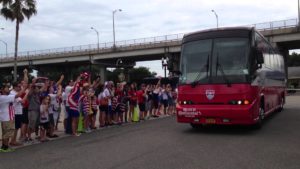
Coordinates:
(276, 24)
(27, 55)
(94, 47)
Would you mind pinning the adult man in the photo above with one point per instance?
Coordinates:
(7, 116)
(17, 105)
(34, 107)
(18, 108)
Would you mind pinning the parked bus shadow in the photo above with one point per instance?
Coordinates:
(233, 129)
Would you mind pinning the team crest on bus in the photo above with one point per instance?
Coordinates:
(210, 94)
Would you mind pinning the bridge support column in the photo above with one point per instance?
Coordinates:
(285, 53)
(102, 73)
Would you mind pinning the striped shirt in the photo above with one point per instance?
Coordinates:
(74, 96)
(85, 104)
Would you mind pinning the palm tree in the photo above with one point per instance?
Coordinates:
(17, 10)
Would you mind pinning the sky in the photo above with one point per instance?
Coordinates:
(65, 23)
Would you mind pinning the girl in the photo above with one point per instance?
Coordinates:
(94, 110)
(103, 107)
(133, 99)
(44, 118)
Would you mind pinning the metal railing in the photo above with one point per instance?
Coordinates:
(93, 47)
(276, 24)
(133, 42)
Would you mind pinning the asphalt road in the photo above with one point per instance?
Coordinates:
(164, 144)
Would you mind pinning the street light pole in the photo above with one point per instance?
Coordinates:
(164, 62)
(113, 12)
(5, 47)
(298, 14)
(216, 17)
(97, 36)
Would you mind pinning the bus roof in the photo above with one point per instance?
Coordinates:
(218, 33)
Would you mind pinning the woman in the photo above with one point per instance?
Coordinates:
(132, 99)
(103, 107)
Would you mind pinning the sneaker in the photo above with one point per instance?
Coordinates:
(16, 144)
(77, 134)
(7, 150)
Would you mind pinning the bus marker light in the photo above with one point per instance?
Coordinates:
(246, 102)
(226, 120)
(210, 121)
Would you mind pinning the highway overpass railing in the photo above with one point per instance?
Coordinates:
(27, 55)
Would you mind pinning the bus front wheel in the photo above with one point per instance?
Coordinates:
(261, 116)
(281, 104)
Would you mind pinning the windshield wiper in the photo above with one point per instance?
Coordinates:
(222, 71)
(196, 81)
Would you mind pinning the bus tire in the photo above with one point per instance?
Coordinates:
(196, 126)
(281, 104)
(261, 116)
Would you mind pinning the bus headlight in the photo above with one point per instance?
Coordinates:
(185, 102)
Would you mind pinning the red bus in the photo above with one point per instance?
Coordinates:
(229, 76)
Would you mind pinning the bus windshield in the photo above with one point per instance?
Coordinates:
(209, 60)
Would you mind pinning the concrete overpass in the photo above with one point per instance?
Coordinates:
(283, 34)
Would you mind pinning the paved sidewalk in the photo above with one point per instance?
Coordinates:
(61, 133)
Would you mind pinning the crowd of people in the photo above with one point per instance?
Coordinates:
(35, 107)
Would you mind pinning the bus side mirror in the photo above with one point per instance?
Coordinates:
(259, 56)
(170, 65)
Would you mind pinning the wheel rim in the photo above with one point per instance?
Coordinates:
(261, 113)
(281, 103)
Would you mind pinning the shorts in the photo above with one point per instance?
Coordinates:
(110, 112)
(25, 116)
(165, 103)
(8, 128)
(51, 120)
(155, 104)
(103, 109)
(120, 109)
(133, 102)
(94, 112)
(74, 113)
(142, 107)
(18, 121)
(171, 102)
(33, 117)
(45, 125)
(149, 105)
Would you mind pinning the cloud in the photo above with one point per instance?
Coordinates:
(67, 23)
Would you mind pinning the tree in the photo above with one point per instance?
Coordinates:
(135, 74)
(138, 74)
(17, 10)
(293, 60)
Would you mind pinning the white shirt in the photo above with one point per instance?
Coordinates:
(54, 103)
(17, 103)
(67, 93)
(106, 93)
(6, 108)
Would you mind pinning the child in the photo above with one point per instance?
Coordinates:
(44, 117)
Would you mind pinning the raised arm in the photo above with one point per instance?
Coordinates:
(25, 79)
(60, 80)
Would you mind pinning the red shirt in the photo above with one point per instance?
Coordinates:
(132, 95)
(26, 102)
(140, 96)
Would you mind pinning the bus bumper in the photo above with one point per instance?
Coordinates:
(218, 114)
